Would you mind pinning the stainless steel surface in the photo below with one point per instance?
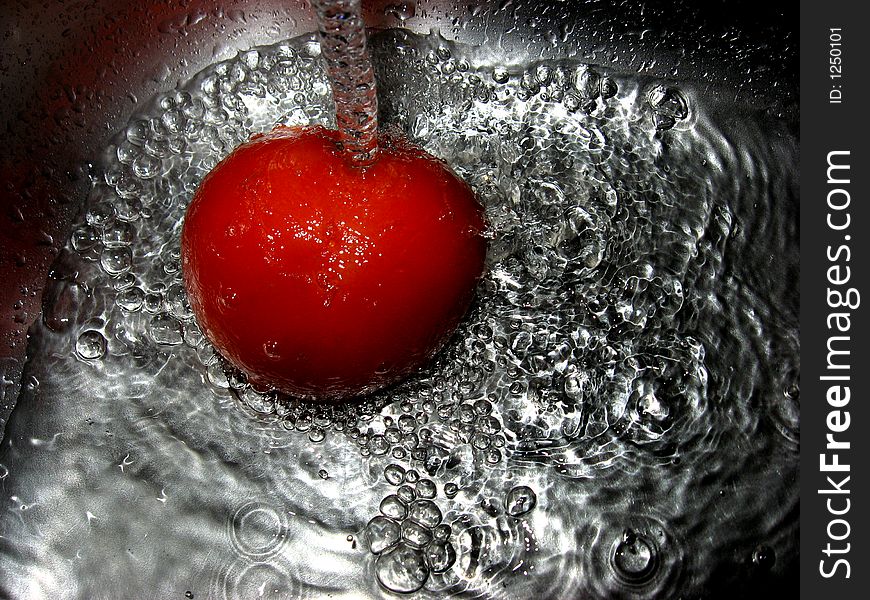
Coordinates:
(73, 73)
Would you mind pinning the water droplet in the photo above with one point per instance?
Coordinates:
(401, 10)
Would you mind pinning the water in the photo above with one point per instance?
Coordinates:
(351, 77)
(617, 418)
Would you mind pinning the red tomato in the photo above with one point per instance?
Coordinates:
(322, 280)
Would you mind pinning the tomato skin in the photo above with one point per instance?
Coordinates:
(322, 280)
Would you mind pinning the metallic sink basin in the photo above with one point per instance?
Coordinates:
(74, 74)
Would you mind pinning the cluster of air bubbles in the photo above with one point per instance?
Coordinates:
(460, 81)
(408, 537)
(131, 226)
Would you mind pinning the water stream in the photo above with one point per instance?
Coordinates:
(351, 76)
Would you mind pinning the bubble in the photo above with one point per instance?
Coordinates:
(415, 534)
(493, 456)
(587, 82)
(165, 330)
(406, 493)
(520, 500)
(608, 88)
(425, 512)
(442, 532)
(118, 234)
(128, 152)
(137, 132)
(483, 407)
(91, 345)
(382, 534)
(669, 106)
(84, 238)
(440, 556)
(115, 261)
(394, 508)
(407, 424)
(130, 299)
(402, 570)
(764, 557)
(451, 490)
(379, 445)
(153, 302)
(425, 488)
(392, 435)
(147, 166)
(635, 559)
(465, 413)
(177, 302)
(481, 441)
(394, 474)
